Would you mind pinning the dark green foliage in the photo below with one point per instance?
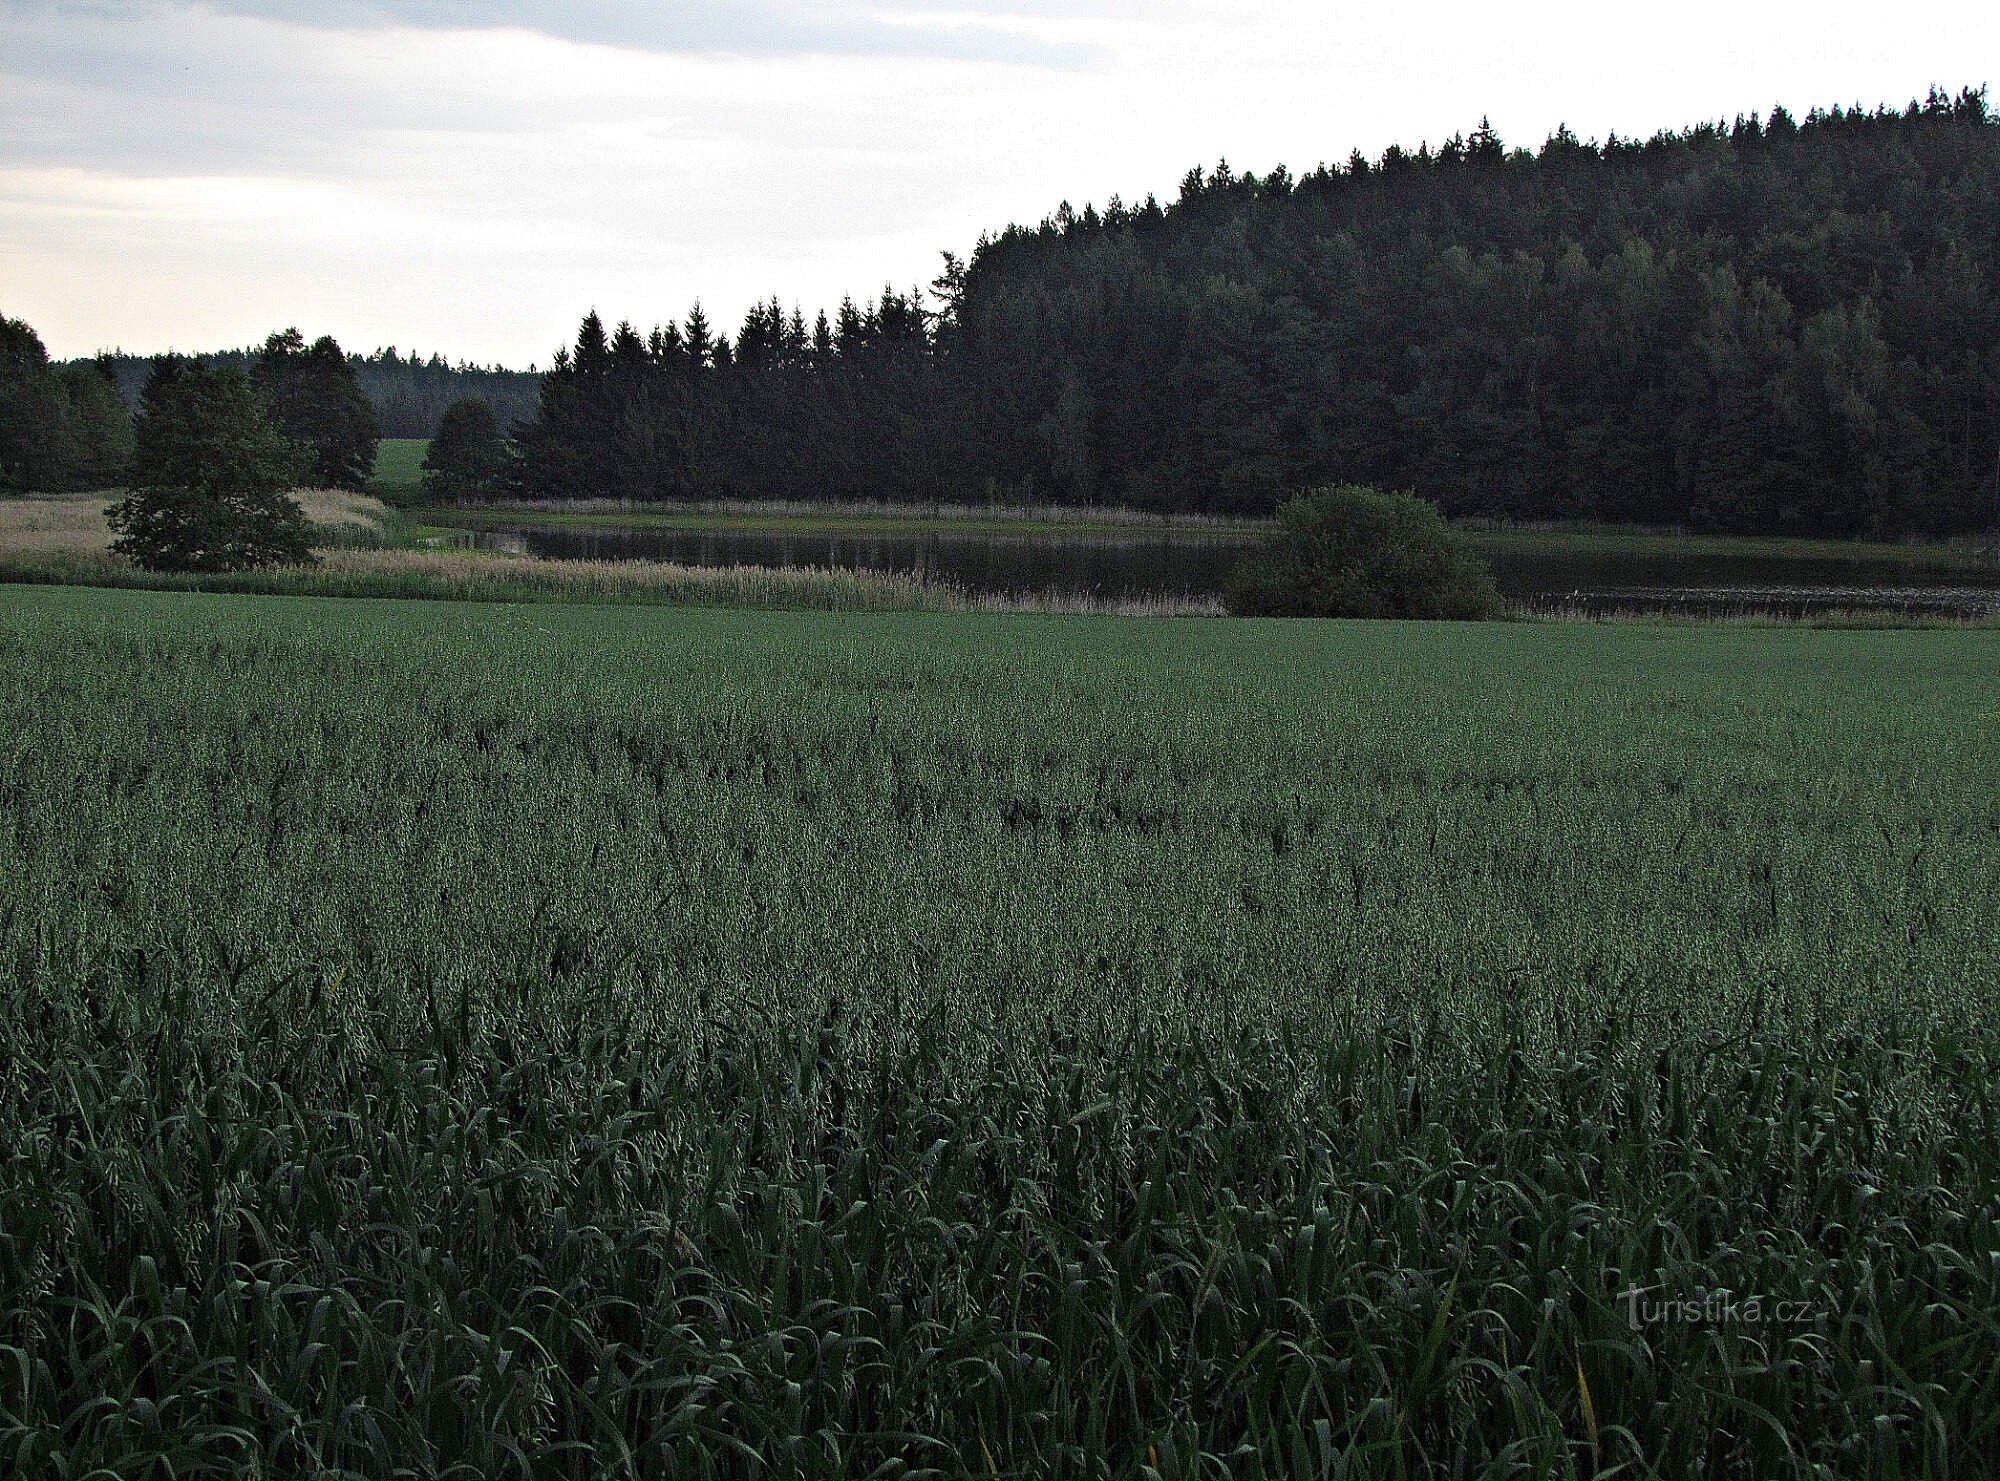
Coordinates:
(315, 400)
(848, 412)
(61, 428)
(1783, 330)
(1789, 329)
(100, 426)
(468, 458)
(603, 1043)
(32, 431)
(411, 394)
(1728, 327)
(408, 392)
(1358, 552)
(209, 476)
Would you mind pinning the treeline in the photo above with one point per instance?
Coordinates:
(408, 393)
(848, 409)
(69, 427)
(1773, 325)
(1770, 325)
(62, 427)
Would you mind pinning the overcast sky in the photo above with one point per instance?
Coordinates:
(469, 176)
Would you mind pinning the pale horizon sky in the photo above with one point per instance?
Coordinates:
(470, 176)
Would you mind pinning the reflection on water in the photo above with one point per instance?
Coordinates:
(1113, 566)
(1708, 602)
(1146, 563)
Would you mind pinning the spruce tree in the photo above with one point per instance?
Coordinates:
(316, 401)
(100, 425)
(209, 472)
(468, 458)
(34, 451)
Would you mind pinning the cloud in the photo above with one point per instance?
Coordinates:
(969, 30)
(472, 179)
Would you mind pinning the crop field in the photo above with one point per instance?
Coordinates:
(559, 1041)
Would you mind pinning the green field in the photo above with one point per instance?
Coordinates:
(399, 469)
(579, 1041)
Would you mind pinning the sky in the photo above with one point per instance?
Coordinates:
(470, 176)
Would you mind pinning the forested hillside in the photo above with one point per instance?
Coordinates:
(1775, 325)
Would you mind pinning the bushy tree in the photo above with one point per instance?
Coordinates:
(209, 473)
(61, 426)
(100, 425)
(316, 401)
(33, 423)
(468, 458)
(1358, 552)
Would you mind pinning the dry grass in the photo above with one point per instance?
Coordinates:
(455, 575)
(74, 524)
(484, 574)
(340, 507)
(438, 575)
(66, 540)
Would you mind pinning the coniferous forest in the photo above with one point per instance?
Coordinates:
(409, 393)
(1777, 325)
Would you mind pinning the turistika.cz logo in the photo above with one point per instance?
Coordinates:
(1714, 1308)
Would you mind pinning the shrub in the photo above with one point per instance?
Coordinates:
(1350, 551)
(208, 478)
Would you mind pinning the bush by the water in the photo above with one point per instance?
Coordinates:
(1358, 552)
(208, 478)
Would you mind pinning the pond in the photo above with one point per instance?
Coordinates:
(1142, 563)
(1152, 563)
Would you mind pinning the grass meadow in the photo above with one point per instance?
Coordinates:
(399, 469)
(566, 1041)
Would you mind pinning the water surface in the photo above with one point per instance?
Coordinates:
(1145, 562)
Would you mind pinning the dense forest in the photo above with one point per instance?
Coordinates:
(1774, 325)
(62, 427)
(408, 392)
(69, 427)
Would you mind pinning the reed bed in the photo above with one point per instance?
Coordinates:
(361, 569)
(428, 575)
